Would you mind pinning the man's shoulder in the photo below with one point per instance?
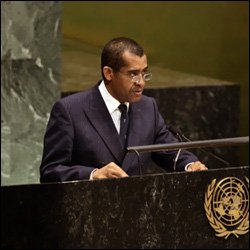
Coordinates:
(75, 95)
(79, 96)
(147, 100)
(146, 103)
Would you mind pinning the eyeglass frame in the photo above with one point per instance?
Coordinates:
(133, 76)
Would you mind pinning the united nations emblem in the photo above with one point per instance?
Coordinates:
(226, 205)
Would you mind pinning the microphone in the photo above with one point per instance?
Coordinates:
(177, 132)
(176, 159)
(139, 160)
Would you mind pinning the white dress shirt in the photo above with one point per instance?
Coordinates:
(112, 105)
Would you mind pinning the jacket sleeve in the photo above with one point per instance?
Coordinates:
(56, 163)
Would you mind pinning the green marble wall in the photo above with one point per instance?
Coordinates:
(30, 75)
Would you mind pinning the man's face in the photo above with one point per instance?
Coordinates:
(128, 84)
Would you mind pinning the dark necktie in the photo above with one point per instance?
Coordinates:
(123, 124)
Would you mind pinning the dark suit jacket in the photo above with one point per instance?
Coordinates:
(81, 136)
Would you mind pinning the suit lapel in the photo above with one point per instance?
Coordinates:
(101, 120)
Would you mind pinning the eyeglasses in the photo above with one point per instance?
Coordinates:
(145, 76)
(136, 76)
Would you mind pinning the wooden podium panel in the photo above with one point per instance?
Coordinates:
(150, 211)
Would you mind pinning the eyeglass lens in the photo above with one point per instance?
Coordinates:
(146, 77)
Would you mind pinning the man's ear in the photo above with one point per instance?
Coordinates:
(107, 72)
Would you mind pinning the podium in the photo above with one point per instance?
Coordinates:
(164, 210)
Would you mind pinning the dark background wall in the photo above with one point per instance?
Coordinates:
(207, 38)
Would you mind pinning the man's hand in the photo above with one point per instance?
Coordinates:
(196, 166)
(110, 170)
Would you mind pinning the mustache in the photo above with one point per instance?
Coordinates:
(135, 89)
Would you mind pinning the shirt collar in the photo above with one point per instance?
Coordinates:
(111, 103)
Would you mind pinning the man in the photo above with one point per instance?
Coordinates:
(86, 138)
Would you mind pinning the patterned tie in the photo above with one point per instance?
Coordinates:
(123, 124)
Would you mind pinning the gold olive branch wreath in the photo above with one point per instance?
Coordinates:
(243, 227)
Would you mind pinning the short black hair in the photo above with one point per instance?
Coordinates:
(112, 52)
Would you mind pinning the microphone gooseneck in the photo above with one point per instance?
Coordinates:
(139, 161)
(176, 133)
(180, 135)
